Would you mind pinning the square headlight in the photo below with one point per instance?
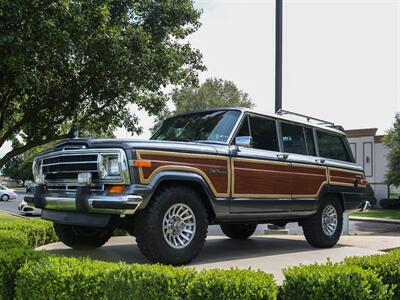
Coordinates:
(113, 166)
(110, 166)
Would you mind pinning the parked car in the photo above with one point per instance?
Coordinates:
(231, 167)
(26, 209)
(7, 194)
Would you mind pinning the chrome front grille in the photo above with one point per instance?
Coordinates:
(67, 166)
(60, 168)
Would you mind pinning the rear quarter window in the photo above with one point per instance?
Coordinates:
(332, 146)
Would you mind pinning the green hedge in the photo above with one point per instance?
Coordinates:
(63, 278)
(13, 239)
(82, 278)
(149, 282)
(11, 260)
(39, 232)
(386, 266)
(232, 284)
(333, 281)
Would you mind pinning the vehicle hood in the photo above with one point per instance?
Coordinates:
(136, 144)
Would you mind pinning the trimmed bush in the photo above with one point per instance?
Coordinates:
(149, 282)
(333, 281)
(387, 267)
(39, 232)
(64, 278)
(390, 203)
(82, 278)
(13, 239)
(232, 284)
(11, 260)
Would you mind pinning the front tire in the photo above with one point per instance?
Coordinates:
(5, 198)
(172, 229)
(324, 229)
(82, 237)
(238, 231)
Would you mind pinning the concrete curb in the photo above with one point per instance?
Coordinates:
(15, 215)
(377, 220)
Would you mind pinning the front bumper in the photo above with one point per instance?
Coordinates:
(84, 201)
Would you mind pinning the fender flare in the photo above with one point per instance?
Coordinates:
(178, 176)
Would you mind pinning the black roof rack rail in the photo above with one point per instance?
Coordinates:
(282, 112)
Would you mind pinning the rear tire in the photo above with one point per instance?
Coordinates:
(5, 198)
(324, 229)
(82, 237)
(238, 231)
(172, 229)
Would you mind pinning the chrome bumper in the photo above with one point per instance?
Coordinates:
(84, 201)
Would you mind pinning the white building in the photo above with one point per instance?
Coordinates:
(370, 153)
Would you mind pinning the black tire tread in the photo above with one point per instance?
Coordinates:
(69, 237)
(238, 231)
(312, 227)
(147, 232)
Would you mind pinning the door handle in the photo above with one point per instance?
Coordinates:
(282, 156)
(320, 160)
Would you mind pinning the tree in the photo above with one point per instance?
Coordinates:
(20, 166)
(78, 65)
(392, 141)
(213, 93)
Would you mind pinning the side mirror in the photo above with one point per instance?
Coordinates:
(244, 141)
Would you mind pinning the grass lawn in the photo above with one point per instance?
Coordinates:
(379, 213)
(9, 218)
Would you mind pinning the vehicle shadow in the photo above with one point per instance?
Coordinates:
(216, 250)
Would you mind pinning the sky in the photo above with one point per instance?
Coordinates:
(341, 58)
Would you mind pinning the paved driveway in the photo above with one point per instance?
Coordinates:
(271, 254)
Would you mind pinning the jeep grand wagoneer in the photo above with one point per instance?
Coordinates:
(231, 167)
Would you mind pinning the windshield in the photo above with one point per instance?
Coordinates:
(209, 126)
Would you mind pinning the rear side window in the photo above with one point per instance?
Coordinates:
(263, 132)
(297, 139)
(293, 139)
(332, 146)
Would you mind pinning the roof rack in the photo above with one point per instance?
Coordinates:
(282, 112)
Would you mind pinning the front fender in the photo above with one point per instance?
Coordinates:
(147, 191)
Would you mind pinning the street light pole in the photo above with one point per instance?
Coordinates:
(278, 54)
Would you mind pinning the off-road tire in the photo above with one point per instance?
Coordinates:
(313, 228)
(5, 197)
(82, 237)
(149, 226)
(238, 231)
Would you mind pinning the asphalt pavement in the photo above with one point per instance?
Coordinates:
(12, 205)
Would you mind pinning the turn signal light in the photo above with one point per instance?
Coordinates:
(116, 189)
(142, 163)
(363, 181)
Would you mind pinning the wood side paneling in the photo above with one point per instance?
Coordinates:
(271, 179)
(343, 177)
(307, 180)
(260, 179)
(214, 169)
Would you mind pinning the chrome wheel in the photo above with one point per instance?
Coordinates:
(329, 220)
(179, 225)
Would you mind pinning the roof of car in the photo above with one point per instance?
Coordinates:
(275, 116)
